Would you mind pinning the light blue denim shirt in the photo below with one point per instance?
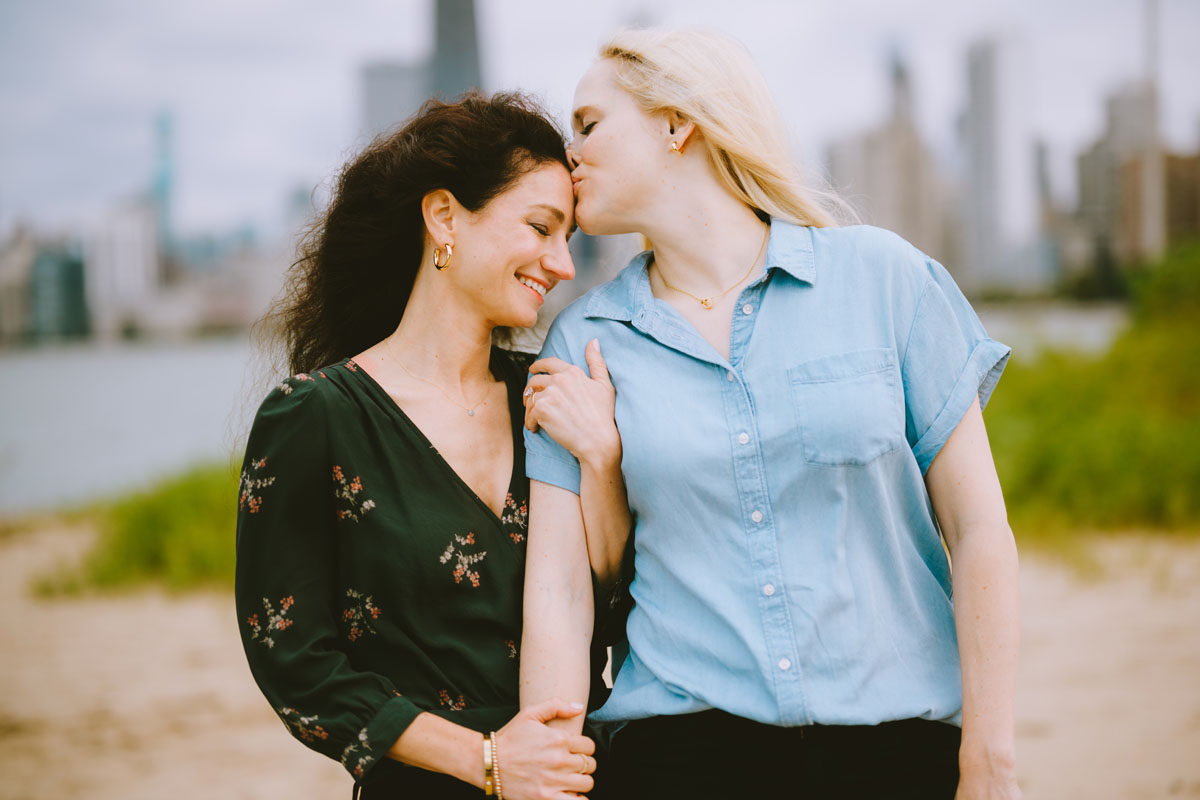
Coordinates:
(788, 566)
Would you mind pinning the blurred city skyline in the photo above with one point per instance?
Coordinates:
(267, 100)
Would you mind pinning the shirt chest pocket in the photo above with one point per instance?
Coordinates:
(849, 407)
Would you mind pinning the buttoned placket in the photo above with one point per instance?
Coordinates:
(664, 324)
(759, 523)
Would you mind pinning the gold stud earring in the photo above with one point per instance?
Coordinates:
(437, 255)
(675, 148)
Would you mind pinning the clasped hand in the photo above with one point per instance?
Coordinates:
(575, 408)
(539, 762)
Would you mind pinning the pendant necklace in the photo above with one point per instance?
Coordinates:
(707, 302)
(470, 410)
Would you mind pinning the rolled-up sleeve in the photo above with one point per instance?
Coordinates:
(545, 459)
(948, 361)
(286, 592)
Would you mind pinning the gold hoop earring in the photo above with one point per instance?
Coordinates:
(437, 254)
(675, 148)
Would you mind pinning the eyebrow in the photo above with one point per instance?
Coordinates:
(580, 113)
(558, 214)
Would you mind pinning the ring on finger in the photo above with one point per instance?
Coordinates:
(583, 769)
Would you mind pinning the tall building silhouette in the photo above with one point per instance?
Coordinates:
(393, 90)
(1002, 248)
(456, 55)
(1122, 176)
(890, 176)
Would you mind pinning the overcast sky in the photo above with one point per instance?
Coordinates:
(265, 95)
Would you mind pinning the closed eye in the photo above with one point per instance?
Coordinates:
(541, 229)
(586, 129)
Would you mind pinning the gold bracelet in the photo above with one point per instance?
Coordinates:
(489, 783)
(496, 765)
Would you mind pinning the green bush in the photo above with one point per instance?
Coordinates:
(1110, 442)
(179, 534)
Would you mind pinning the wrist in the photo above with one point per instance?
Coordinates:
(604, 455)
(994, 757)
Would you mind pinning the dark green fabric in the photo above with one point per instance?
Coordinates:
(372, 583)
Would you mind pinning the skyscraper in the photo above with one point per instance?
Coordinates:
(1001, 249)
(393, 90)
(889, 175)
(1122, 176)
(456, 56)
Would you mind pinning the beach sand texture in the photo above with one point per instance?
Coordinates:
(145, 696)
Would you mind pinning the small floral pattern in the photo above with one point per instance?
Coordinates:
(346, 493)
(445, 700)
(512, 649)
(463, 561)
(350, 365)
(515, 518)
(302, 727)
(358, 750)
(275, 621)
(359, 615)
(252, 482)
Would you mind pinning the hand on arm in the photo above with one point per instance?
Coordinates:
(577, 411)
(535, 760)
(967, 500)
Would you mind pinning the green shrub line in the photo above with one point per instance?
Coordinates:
(1109, 442)
(178, 534)
(1082, 444)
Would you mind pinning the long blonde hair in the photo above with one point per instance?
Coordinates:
(712, 80)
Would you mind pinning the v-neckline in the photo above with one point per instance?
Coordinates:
(391, 403)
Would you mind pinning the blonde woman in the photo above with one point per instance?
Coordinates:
(800, 416)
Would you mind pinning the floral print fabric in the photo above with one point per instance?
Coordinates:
(372, 584)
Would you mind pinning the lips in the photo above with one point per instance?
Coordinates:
(533, 284)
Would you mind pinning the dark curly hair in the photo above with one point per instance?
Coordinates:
(356, 263)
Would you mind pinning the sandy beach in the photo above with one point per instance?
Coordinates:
(146, 695)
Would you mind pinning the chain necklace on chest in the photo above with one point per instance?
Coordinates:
(707, 302)
(469, 409)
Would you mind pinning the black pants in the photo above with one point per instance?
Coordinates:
(717, 755)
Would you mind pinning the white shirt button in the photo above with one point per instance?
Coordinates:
(729, 376)
(747, 309)
(743, 437)
(769, 589)
(784, 664)
(756, 516)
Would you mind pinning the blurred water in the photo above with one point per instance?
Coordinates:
(1030, 328)
(84, 421)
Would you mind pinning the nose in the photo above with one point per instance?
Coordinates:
(572, 155)
(558, 262)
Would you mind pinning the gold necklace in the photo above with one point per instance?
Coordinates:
(470, 411)
(707, 302)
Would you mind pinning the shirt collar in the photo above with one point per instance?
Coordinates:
(789, 248)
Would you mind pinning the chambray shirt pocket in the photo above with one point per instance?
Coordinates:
(849, 407)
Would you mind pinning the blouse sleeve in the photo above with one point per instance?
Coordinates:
(545, 459)
(286, 589)
(947, 362)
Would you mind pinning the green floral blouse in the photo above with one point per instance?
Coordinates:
(372, 582)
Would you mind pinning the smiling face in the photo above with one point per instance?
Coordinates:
(513, 251)
(619, 153)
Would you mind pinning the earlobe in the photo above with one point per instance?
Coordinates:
(681, 130)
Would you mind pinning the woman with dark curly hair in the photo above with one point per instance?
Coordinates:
(383, 500)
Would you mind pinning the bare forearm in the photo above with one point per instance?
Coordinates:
(559, 608)
(433, 743)
(607, 520)
(986, 610)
